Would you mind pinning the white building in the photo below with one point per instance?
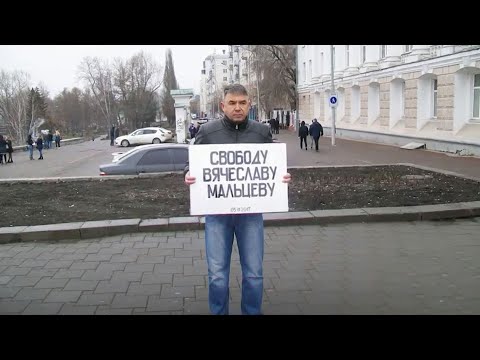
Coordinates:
(215, 74)
(242, 71)
(395, 93)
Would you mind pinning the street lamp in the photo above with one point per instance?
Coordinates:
(332, 61)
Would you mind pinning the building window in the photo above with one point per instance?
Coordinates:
(408, 48)
(225, 78)
(304, 72)
(310, 69)
(363, 53)
(347, 56)
(383, 51)
(435, 98)
(224, 71)
(476, 96)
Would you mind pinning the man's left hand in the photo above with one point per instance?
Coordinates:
(287, 178)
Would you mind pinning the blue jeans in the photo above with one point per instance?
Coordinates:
(30, 151)
(219, 232)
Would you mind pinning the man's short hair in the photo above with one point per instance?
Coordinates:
(237, 89)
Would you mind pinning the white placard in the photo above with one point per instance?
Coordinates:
(238, 178)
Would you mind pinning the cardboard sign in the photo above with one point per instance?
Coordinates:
(238, 178)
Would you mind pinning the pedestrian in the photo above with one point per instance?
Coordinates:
(30, 146)
(234, 127)
(40, 147)
(112, 135)
(50, 139)
(57, 138)
(3, 150)
(9, 149)
(302, 134)
(316, 130)
(193, 130)
(310, 135)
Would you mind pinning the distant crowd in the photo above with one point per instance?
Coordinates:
(43, 141)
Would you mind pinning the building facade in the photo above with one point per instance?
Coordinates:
(236, 66)
(243, 71)
(409, 91)
(215, 75)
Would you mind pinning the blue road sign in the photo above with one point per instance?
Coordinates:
(333, 100)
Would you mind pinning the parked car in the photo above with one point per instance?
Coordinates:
(148, 159)
(149, 135)
(168, 134)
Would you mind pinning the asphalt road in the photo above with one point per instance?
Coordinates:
(84, 159)
(81, 159)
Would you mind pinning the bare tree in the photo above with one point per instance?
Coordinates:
(136, 83)
(276, 65)
(14, 91)
(98, 77)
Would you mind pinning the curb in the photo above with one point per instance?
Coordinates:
(95, 229)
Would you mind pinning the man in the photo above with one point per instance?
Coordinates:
(316, 130)
(112, 135)
(247, 228)
(193, 130)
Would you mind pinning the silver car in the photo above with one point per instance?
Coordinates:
(153, 158)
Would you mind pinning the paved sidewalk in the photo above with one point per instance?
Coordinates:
(426, 267)
(349, 152)
(360, 267)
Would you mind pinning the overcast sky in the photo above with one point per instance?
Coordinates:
(55, 66)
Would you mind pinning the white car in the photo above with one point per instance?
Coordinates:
(150, 135)
(168, 133)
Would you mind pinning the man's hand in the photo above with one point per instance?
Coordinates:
(287, 178)
(189, 180)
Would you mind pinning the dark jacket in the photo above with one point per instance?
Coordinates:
(225, 131)
(9, 146)
(316, 130)
(30, 140)
(39, 143)
(303, 131)
(3, 146)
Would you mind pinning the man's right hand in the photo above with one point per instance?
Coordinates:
(189, 180)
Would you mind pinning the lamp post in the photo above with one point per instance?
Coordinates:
(332, 61)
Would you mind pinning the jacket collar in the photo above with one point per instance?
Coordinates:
(233, 125)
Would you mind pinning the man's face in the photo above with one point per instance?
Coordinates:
(235, 106)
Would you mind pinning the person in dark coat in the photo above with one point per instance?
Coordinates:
(316, 130)
(112, 135)
(30, 146)
(302, 134)
(193, 130)
(9, 149)
(50, 139)
(40, 147)
(3, 149)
